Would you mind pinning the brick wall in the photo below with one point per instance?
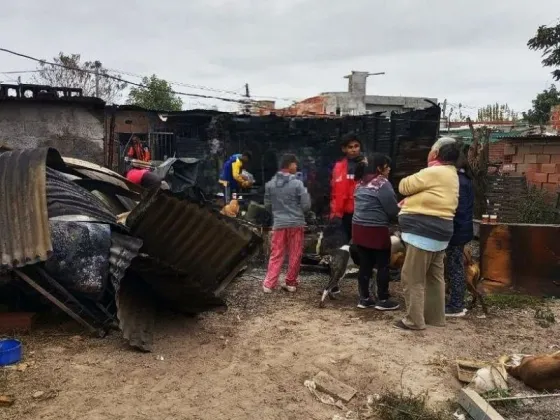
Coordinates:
(496, 152)
(539, 162)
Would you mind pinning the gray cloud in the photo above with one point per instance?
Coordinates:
(471, 52)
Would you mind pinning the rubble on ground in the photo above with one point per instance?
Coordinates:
(108, 252)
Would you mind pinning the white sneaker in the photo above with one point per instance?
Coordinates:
(267, 290)
(290, 289)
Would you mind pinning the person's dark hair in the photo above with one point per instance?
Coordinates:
(287, 160)
(348, 138)
(247, 154)
(449, 153)
(378, 160)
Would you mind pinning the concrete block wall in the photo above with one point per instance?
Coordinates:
(538, 162)
(75, 130)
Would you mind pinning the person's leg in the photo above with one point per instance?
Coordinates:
(277, 252)
(367, 259)
(434, 309)
(455, 272)
(295, 251)
(227, 195)
(384, 302)
(347, 225)
(414, 280)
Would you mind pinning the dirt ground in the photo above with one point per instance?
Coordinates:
(251, 361)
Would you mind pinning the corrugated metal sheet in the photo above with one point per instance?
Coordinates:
(136, 309)
(66, 198)
(523, 258)
(93, 171)
(198, 247)
(24, 225)
(124, 249)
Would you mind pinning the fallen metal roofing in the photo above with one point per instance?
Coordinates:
(198, 250)
(66, 200)
(93, 171)
(24, 225)
(124, 249)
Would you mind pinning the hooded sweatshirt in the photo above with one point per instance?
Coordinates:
(288, 200)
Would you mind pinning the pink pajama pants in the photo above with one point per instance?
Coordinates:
(285, 239)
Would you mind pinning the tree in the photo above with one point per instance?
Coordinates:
(547, 40)
(75, 74)
(478, 156)
(156, 94)
(542, 104)
(497, 112)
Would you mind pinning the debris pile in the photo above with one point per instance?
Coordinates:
(108, 252)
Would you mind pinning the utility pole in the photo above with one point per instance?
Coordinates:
(97, 67)
(248, 96)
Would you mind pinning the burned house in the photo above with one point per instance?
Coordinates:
(212, 136)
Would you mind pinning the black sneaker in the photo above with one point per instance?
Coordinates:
(387, 305)
(454, 313)
(366, 303)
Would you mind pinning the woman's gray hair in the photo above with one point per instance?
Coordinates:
(441, 141)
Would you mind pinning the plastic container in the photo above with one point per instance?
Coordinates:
(10, 352)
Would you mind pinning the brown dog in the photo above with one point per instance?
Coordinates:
(541, 373)
(472, 274)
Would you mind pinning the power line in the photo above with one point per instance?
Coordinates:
(119, 79)
(200, 87)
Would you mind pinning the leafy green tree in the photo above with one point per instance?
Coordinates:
(542, 104)
(156, 94)
(547, 40)
(497, 112)
(71, 72)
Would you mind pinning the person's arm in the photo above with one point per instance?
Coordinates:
(130, 152)
(147, 155)
(236, 168)
(388, 200)
(267, 200)
(413, 184)
(304, 198)
(337, 197)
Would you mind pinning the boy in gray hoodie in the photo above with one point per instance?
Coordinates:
(287, 198)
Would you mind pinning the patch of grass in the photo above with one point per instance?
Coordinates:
(513, 301)
(545, 317)
(500, 393)
(400, 406)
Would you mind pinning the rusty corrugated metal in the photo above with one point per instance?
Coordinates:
(24, 225)
(519, 257)
(198, 248)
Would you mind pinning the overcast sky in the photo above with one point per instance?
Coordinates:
(472, 52)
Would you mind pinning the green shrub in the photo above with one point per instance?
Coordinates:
(536, 208)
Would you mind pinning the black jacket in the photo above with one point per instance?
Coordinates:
(463, 221)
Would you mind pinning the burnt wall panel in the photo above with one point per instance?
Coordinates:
(213, 137)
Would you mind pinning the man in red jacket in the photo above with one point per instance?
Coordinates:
(343, 184)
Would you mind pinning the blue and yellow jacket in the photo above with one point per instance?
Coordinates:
(231, 172)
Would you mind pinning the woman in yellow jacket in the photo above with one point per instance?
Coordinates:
(426, 222)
